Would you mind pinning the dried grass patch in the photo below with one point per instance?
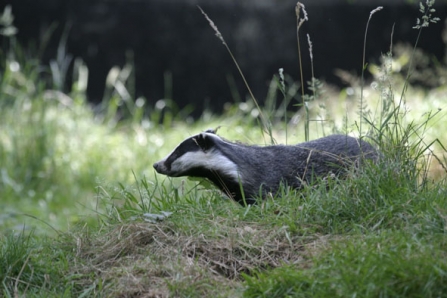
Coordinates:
(160, 260)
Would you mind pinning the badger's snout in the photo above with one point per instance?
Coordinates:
(157, 166)
(161, 168)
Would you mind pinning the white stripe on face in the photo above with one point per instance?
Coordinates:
(210, 160)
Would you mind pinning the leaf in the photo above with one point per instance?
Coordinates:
(421, 7)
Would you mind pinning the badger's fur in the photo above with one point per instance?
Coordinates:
(244, 172)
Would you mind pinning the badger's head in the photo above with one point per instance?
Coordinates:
(198, 156)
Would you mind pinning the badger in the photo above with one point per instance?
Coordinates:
(245, 172)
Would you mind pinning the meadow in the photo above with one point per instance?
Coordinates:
(83, 213)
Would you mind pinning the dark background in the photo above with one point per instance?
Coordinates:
(167, 36)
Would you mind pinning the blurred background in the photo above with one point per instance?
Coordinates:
(175, 53)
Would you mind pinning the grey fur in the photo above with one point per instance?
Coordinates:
(261, 169)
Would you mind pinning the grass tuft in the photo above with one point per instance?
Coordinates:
(390, 264)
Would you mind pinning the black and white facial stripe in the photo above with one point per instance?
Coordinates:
(197, 156)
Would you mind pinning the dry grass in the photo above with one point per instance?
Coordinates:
(156, 260)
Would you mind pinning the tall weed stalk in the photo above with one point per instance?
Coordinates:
(401, 142)
(265, 122)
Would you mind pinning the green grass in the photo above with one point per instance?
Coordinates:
(387, 264)
(79, 197)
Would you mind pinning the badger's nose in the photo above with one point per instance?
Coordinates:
(156, 165)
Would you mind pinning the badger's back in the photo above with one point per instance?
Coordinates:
(270, 165)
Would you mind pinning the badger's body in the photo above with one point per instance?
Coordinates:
(246, 172)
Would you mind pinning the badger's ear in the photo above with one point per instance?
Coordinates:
(204, 141)
(211, 130)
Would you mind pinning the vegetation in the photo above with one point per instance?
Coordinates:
(83, 213)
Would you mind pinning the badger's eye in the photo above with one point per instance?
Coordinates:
(195, 141)
(201, 142)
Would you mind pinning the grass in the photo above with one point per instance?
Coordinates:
(83, 213)
(387, 264)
